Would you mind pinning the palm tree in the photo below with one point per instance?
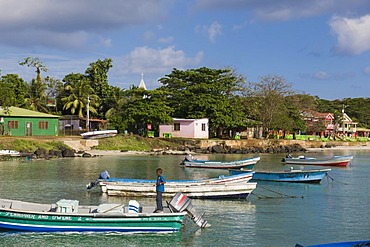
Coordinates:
(78, 92)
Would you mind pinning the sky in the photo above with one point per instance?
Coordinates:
(320, 47)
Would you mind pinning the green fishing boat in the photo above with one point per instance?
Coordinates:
(68, 215)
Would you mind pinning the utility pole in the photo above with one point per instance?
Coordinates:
(88, 115)
(343, 120)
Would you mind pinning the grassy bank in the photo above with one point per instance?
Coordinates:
(133, 143)
(119, 142)
(29, 144)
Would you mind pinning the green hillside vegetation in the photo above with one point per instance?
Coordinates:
(133, 143)
(29, 144)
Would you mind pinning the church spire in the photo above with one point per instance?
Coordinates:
(142, 83)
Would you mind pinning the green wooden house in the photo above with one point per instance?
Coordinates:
(21, 122)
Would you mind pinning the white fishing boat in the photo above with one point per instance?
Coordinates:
(234, 186)
(99, 134)
(8, 152)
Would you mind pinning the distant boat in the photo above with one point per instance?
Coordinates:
(292, 176)
(99, 134)
(68, 215)
(330, 161)
(235, 186)
(248, 163)
(361, 243)
(11, 153)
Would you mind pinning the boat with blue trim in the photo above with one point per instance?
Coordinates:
(325, 161)
(190, 162)
(292, 175)
(68, 215)
(233, 186)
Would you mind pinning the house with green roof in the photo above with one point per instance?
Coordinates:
(16, 121)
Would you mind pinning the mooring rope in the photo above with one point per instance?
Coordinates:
(281, 194)
(332, 179)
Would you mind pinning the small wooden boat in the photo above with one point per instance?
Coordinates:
(361, 243)
(330, 161)
(235, 186)
(248, 163)
(99, 134)
(68, 215)
(293, 176)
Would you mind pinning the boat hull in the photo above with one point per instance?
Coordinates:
(292, 176)
(245, 163)
(341, 161)
(29, 220)
(201, 191)
(99, 134)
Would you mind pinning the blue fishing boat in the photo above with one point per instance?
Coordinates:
(293, 176)
(361, 243)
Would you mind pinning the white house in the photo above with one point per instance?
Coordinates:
(185, 128)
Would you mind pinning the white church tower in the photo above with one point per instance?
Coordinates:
(142, 83)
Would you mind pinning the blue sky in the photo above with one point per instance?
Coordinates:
(321, 47)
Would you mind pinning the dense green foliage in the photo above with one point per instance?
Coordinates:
(221, 95)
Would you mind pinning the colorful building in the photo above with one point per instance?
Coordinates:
(185, 128)
(22, 122)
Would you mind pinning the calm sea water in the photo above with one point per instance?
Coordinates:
(279, 214)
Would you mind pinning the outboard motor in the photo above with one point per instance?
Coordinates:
(181, 202)
(102, 175)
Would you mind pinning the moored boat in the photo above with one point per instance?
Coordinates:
(11, 153)
(361, 243)
(328, 161)
(293, 176)
(97, 134)
(235, 186)
(68, 215)
(190, 162)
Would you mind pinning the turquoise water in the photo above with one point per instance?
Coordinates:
(278, 214)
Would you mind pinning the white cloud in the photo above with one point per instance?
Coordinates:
(367, 70)
(158, 61)
(353, 35)
(321, 75)
(211, 31)
(166, 40)
(282, 10)
(25, 22)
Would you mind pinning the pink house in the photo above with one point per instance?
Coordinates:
(185, 128)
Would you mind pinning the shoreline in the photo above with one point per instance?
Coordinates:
(171, 152)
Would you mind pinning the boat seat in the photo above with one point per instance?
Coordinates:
(5, 204)
(30, 206)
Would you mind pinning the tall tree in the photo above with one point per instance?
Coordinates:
(206, 93)
(139, 108)
(37, 64)
(77, 90)
(97, 74)
(16, 86)
(36, 99)
(267, 101)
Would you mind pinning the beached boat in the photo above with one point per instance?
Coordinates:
(361, 243)
(293, 176)
(191, 162)
(68, 215)
(235, 186)
(99, 134)
(326, 161)
(11, 153)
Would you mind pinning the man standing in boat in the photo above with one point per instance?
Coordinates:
(159, 190)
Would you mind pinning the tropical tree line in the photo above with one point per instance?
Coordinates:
(221, 95)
